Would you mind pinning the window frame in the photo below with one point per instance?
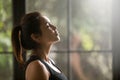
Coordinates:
(116, 39)
(18, 10)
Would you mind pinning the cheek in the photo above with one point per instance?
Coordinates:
(46, 36)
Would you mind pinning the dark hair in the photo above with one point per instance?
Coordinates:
(21, 34)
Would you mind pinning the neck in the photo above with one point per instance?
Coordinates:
(42, 52)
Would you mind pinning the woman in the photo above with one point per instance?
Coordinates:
(36, 33)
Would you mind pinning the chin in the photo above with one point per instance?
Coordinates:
(57, 39)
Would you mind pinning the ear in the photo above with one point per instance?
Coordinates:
(36, 37)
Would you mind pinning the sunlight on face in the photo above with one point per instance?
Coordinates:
(48, 20)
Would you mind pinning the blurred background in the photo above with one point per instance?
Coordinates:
(86, 49)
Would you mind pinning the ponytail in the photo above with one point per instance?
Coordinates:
(16, 44)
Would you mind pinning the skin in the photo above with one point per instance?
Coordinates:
(36, 70)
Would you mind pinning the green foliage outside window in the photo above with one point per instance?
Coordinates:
(5, 25)
(6, 66)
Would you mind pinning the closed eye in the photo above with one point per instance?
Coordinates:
(47, 24)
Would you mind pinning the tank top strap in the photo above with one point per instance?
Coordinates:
(47, 66)
(53, 63)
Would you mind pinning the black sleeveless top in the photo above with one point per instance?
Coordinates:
(53, 74)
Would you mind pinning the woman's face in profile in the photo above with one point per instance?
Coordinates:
(49, 31)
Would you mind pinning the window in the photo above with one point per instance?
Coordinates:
(91, 29)
(85, 30)
(6, 63)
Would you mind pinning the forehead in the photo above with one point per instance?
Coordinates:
(46, 19)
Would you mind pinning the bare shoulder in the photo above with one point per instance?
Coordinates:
(37, 71)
